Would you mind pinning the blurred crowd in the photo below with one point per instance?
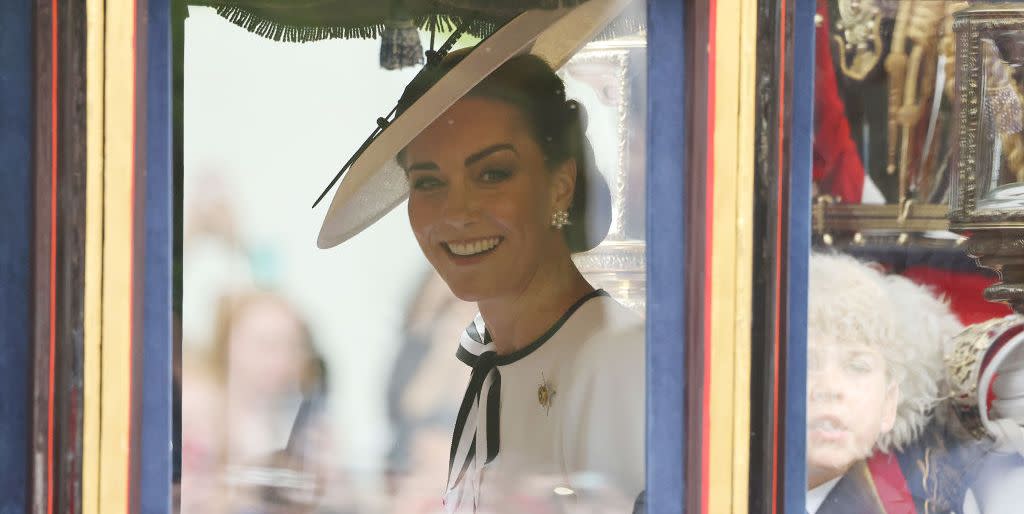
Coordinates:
(257, 432)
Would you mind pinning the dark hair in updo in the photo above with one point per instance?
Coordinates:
(558, 125)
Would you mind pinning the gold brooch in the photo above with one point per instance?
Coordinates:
(545, 393)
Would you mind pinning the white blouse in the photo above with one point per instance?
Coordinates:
(561, 419)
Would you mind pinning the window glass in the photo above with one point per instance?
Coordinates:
(905, 410)
(328, 380)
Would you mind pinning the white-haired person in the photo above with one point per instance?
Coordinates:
(875, 374)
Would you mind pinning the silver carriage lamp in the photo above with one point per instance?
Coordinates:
(614, 71)
(987, 198)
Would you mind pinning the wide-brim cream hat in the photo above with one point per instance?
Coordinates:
(375, 183)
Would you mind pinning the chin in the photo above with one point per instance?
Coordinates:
(831, 463)
(467, 295)
(818, 475)
(467, 289)
(477, 285)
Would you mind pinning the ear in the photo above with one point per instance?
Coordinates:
(889, 407)
(563, 185)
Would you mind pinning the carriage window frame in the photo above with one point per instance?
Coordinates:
(673, 31)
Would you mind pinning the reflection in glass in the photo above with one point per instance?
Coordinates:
(1000, 155)
(885, 130)
(906, 93)
(610, 78)
(871, 381)
(883, 100)
(882, 431)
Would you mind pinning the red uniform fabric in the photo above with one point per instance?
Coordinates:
(891, 484)
(965, 292)
(838, 170)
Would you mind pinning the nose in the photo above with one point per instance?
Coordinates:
(825, 394)
(824, 384)
(460, 207)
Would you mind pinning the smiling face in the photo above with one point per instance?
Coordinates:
(850, 403)
(481, 197)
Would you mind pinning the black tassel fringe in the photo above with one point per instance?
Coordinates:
(630, 22)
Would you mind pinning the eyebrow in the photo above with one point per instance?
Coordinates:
(488, 151)
(428, 165)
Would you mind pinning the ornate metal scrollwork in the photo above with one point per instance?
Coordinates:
(983, 205)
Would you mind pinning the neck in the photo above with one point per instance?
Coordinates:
(517, 320)
(817, 477)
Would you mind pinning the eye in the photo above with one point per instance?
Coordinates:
(495, 175)
(860, 365)
(426, 183)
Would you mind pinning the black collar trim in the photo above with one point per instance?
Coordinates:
(473, 333)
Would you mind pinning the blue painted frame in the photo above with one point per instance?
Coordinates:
(666, 490)
(798, 253)
(666, 242)
(154, 85)
(16, 252)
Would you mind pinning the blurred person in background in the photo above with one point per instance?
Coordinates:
(262, 386)
(214, 257)
(423, 393)
(264, 353)
(202, 422)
